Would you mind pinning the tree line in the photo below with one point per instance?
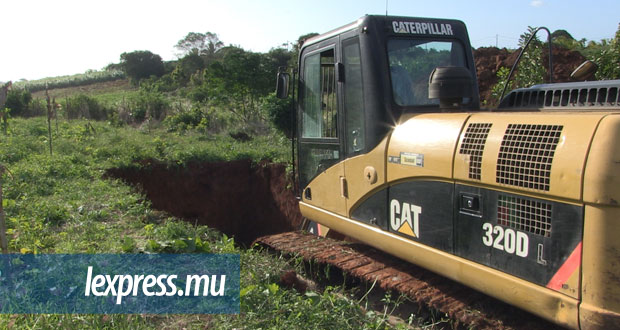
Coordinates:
(218, 80)
(211, 85)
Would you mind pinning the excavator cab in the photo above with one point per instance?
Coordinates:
(356, 81)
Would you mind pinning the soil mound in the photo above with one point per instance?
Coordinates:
(239, 198)
(489, 60)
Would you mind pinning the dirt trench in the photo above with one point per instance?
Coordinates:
(239, 198)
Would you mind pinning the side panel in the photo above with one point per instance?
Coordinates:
(526, 237)
(415, 210)
(423, 146)
(365, 174)
(600, 308)
(602, 172)
(422, 211)
(326, 190)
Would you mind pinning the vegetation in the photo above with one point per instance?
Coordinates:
(606, 54)
(90, 77)
(62, 204)
(201, 44)
(530, 70)
(18, 101)
(211, 87)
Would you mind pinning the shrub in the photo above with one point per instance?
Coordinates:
(530, 70)
(280, 112)
(183, 120)
(149, 104)
(18, 101)
(84, 106)
(608, 58)
(164, 84)
(199, 93)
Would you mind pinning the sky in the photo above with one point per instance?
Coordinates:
(42, 38)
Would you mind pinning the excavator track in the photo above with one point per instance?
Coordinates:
(462, 304)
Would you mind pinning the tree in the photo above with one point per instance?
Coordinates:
(238, 80)
(561, 34)
(279, 112)
(186, 67)
(531, 70)
(608, 58)
(279, 57)
(203, 44)
(300, 41)
(141, 64)
(303, 38)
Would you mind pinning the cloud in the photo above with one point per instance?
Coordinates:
(536, 3)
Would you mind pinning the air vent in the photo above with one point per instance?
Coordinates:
(524, 215)
(473, 145)
(526, 154)
(565, 96)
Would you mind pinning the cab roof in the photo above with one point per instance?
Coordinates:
(400, 24)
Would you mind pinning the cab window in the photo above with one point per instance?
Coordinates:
(319, 146)
(411, 63)
(320, 104)
(353, 96)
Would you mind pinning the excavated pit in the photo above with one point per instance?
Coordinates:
(239, 198)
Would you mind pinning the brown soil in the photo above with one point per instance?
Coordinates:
(489, 60)
(239, 198)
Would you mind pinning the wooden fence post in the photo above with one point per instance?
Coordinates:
(56, 106)
(4, 90)
(49, 119)
(3, 240)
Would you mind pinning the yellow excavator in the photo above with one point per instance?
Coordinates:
(519, 202)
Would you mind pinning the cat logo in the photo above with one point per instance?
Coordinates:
(405, 218)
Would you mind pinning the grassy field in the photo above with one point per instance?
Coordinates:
(61, 203)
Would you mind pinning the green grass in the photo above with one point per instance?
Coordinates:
(61, 204)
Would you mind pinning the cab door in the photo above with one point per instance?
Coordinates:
(365, 163)
(321, 172)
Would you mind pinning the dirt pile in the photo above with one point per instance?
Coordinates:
(239, 198)
(489, 60)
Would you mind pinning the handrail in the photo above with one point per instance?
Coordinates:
(521, 54)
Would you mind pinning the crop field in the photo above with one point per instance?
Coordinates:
(88, 78)
(107, 90)
(65, 203)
